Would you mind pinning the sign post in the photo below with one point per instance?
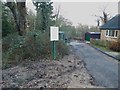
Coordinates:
(54, 50)
(54, 36)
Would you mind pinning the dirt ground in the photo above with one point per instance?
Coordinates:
(69, 72)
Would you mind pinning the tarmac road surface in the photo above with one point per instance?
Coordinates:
(103, 68)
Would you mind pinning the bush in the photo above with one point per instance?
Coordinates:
(7, 41)
(115, 46)
(62, 48)
(101, 43)
(32, 46)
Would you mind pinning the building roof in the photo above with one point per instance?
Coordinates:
(112, 24)
(93, 32)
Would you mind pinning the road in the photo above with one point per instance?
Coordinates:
(103, 68)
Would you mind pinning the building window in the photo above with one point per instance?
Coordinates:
(107, 32)
(116, 33)
(111, 33)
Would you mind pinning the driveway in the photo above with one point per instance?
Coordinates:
(103, 68)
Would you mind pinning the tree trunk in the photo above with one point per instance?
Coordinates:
(19, 13)
(22, 16)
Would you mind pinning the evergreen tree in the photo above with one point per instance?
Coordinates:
(44, 15)
(8, 24)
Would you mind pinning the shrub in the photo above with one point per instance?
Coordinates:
(115, 46)
(7, 41)
(62, 48)
(33, 46)
(101, 43)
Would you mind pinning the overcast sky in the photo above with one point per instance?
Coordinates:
(82, 12)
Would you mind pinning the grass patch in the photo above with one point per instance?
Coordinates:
(100, 44)
(105, 46)
(102, 48)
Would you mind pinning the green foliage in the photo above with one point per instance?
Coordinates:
(8, 41)
(101, 43)
(66, 26)
(11, 51)
(45, 16)
(62, 48)
(61, 21)
(8, 25)
(17, 13)
(81, 30)
(33, 46)
(74, 32)
(69, 31)
(107, 45)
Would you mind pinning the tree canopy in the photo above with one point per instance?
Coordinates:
(44, 15)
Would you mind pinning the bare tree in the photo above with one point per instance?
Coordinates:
(57, 15)
(104, 18)
(98, 22)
